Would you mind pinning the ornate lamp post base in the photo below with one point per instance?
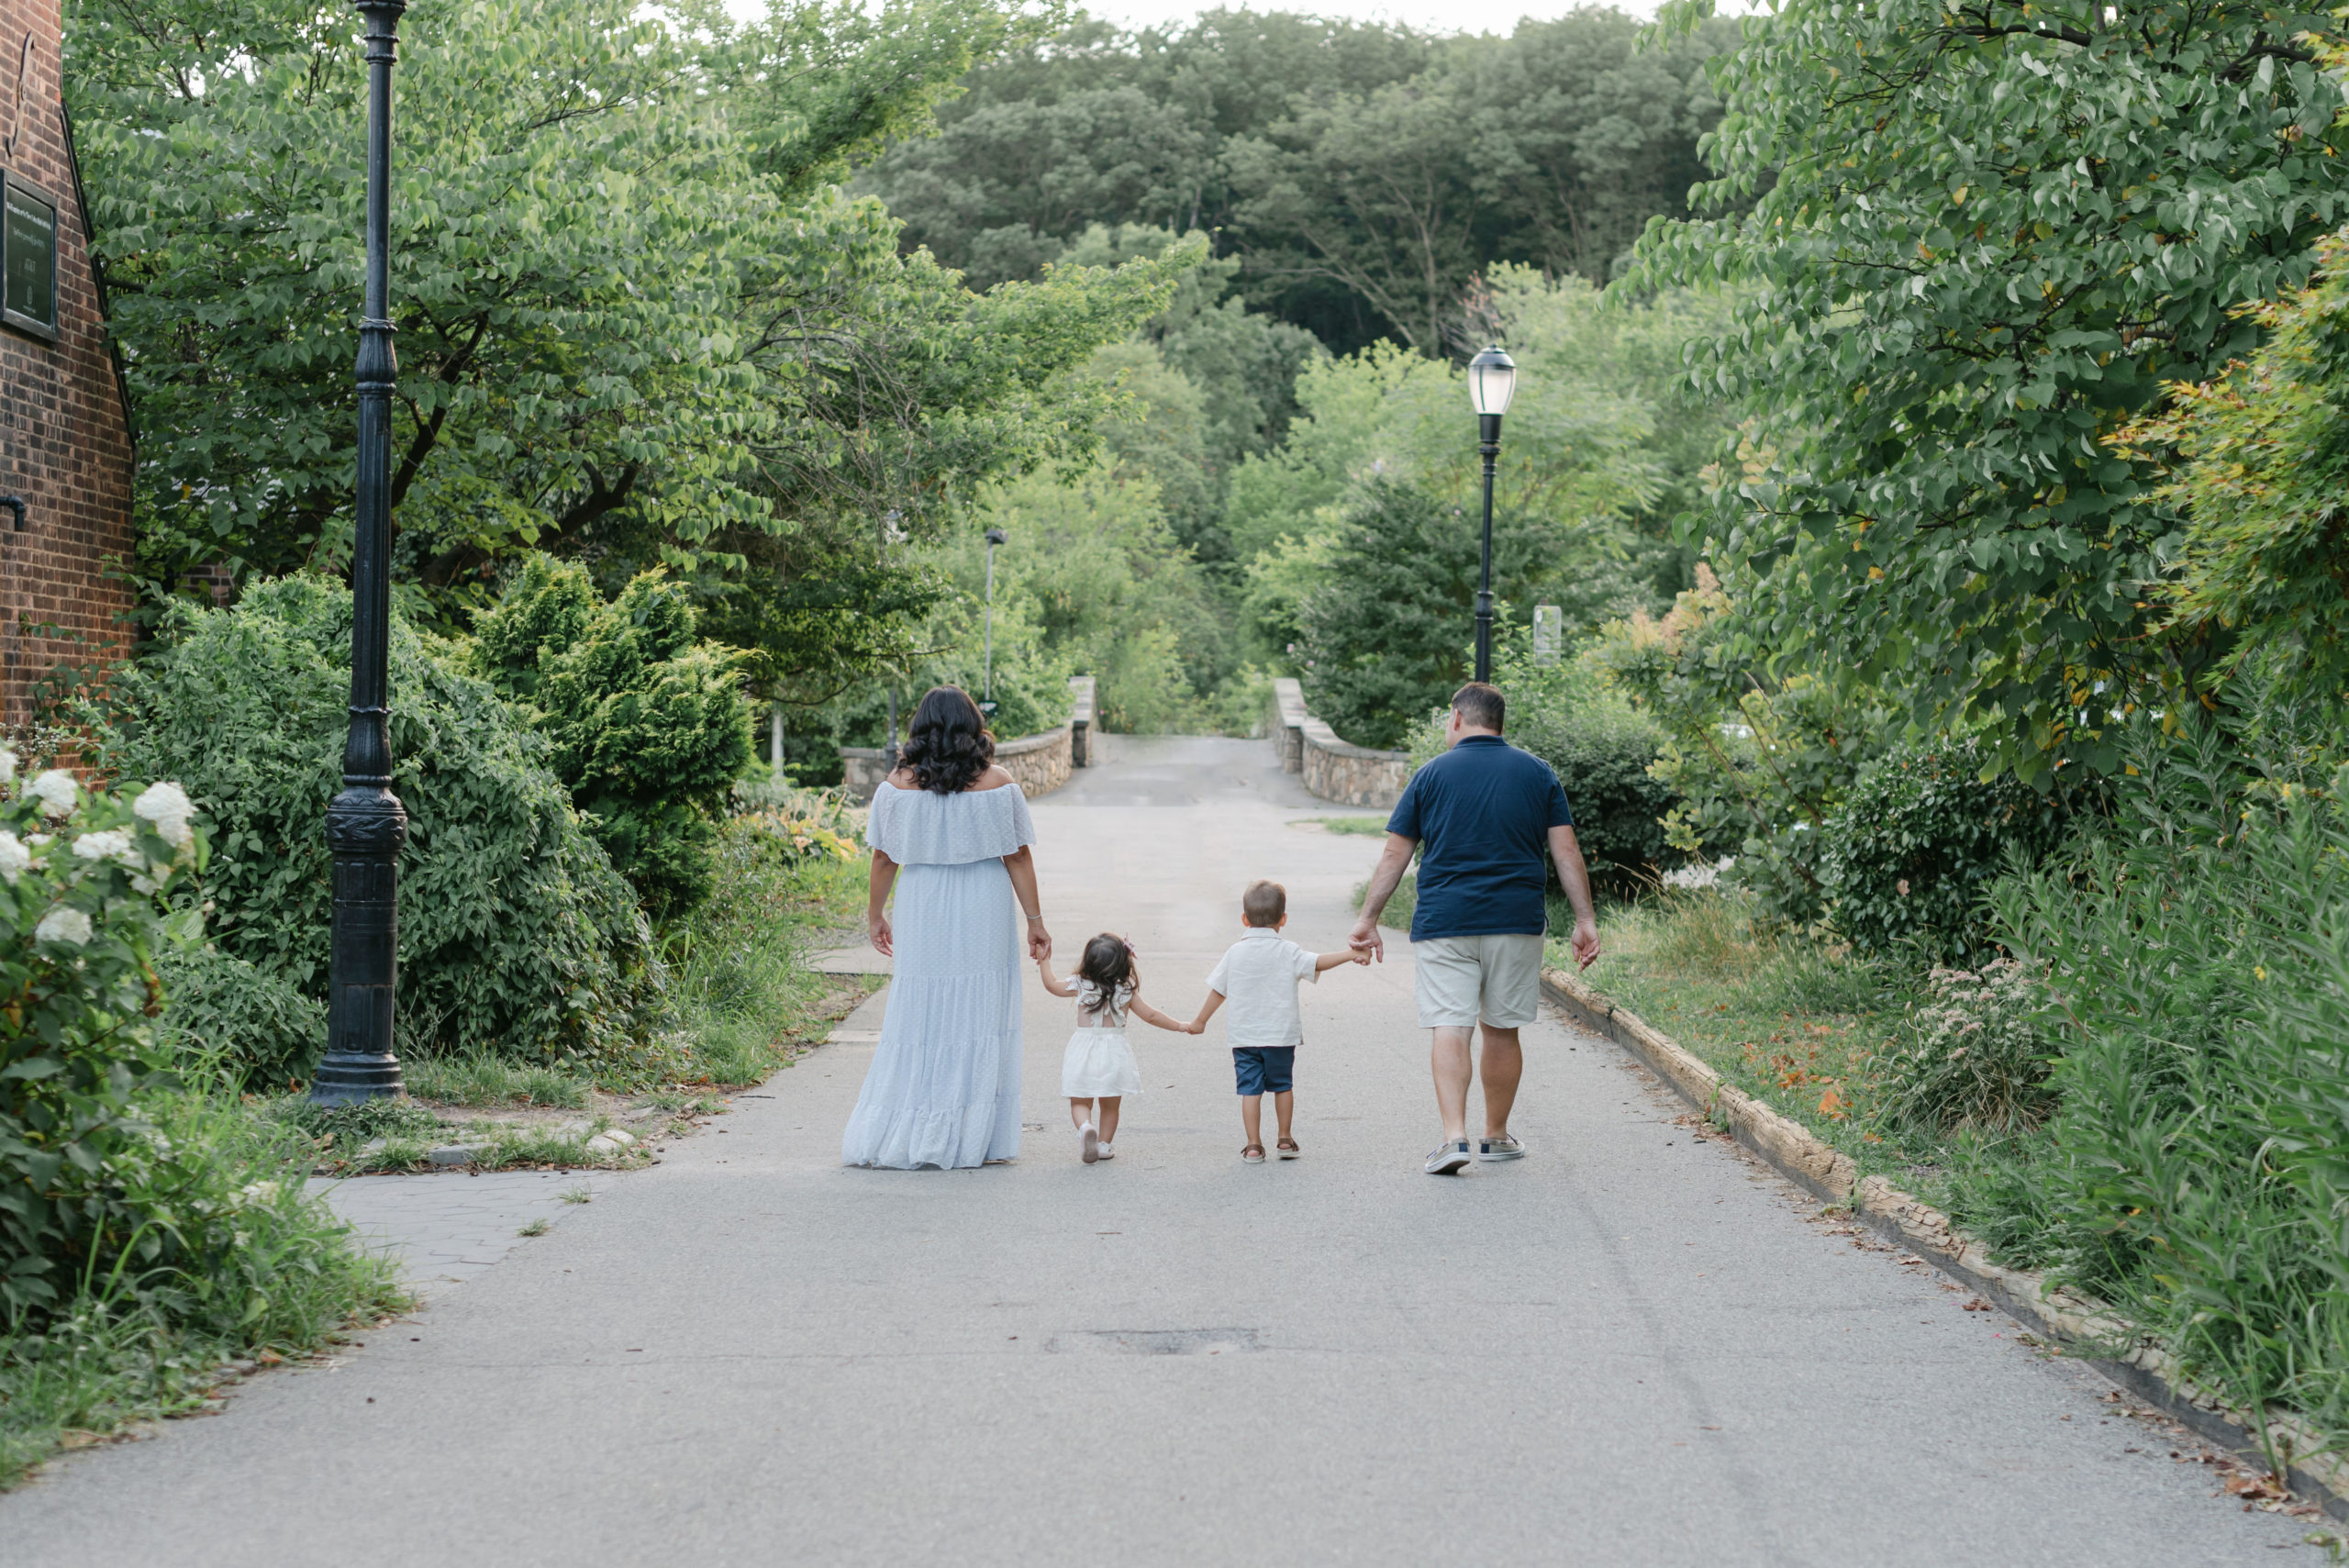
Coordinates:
(366, 828)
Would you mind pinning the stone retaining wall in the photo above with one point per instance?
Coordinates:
(1336, 770)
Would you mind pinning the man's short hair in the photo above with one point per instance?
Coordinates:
(1263, 904)
(1481, 705)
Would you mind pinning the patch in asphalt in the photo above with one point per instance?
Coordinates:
(1156, 1341)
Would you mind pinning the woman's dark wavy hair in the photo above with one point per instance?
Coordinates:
(947, 745)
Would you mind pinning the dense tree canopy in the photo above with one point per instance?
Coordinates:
(1983, 237)
(634, 325)
(1363, 173)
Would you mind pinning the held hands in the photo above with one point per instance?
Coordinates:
(1040, 941)
(1368, 945)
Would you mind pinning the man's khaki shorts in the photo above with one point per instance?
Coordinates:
(1463, 979)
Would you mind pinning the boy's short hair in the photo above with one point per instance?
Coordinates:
(1263, 904)
(1481, 705)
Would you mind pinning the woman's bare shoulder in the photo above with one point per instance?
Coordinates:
(996, 777)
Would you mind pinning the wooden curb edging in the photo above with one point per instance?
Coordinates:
(2087, 1329)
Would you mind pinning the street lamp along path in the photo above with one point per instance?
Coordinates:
(987, 669)
(1492, 381)
(366, 824)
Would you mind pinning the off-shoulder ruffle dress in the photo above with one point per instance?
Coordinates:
(943, 1089)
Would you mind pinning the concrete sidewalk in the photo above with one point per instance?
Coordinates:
(1634, 1347)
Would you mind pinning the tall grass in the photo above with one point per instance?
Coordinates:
(738, 964)
(2197, 1172)
(479, 1078)
(134, 1346)
(1795, 1021)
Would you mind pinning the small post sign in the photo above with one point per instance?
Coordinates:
(1549, 633)
(28, 261)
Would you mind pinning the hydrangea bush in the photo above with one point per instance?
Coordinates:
(83, 880)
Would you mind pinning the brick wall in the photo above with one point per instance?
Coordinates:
(64, 443)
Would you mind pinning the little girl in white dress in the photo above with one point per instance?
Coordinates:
(1098, 1067)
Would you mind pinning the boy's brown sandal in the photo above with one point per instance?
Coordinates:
(1253, 1153)
(1289, 1151)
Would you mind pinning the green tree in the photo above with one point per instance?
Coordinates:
(648, 725)
(1585, 459)
(1363, 173)
(634, 324)
(2265, 459)
(1984, 237)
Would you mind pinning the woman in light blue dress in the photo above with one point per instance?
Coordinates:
(950, 831)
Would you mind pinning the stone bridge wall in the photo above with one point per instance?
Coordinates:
(1336, 770)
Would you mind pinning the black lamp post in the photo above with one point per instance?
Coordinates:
(1491, 379)
(365, 824)
(986, 677)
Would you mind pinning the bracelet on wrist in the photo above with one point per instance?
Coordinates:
(1038, 915)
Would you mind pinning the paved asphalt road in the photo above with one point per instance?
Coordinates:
(1630, 1348)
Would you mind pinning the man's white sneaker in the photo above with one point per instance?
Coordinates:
(1089, 1137)
(1501, 1148)
(1449, 1158)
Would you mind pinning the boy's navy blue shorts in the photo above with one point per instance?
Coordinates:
(1264, 1069)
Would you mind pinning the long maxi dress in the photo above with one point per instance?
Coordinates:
(943, 1090)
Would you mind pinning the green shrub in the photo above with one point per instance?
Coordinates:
(82, 876)
(1909, 850)
(1974, 1055)
(1759, 761)
(649, 726)
(223, 1005)
(244, 1260)
(516, 935)
(1604, 753)
(2197, 1172)
(1384, 638)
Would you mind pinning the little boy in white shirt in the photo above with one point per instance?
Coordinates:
(1258, 976)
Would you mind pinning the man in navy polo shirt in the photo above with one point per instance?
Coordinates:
(1486, 812)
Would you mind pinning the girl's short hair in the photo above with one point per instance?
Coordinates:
(1108, 963)
(947, 745)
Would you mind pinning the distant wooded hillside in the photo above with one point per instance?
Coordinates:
(1362, 174)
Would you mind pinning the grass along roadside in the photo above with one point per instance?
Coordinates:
(147, 1346)
(1791, 1021)
(1349, 826)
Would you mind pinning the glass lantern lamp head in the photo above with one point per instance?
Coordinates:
(1492, 380)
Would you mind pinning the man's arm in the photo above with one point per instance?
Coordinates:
(1577, 879)
(1384, 880)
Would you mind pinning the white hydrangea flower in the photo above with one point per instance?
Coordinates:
(7, 766)
(13, 857)
(63, 924)
(168, 807)
(114, 844)
(40, 841)
(56, 791)
(257, 1192)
